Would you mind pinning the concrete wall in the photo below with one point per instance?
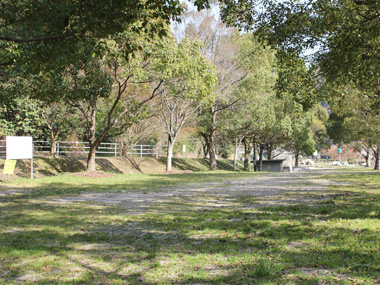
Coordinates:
(273, 165)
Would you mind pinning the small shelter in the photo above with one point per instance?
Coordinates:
(273, 165)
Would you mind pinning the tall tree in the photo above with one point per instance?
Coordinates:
(188, 82)
(114, 90)
(254, 112)
(219, 45)
(301, 140)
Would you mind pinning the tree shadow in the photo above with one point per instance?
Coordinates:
(107, 166)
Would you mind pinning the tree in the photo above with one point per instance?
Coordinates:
(46, 34)
(301, 140)
(221, 48)
(248, 120)
(295, 81)
(277, 131)
(254, 112)
(320, 117)
(118, 85)
(342, 34)
(56, 116)
(19, 117)
(355, 119)
(188, 82)
(145, 131)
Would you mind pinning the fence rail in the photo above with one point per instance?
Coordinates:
(2, 148)
(67, 148)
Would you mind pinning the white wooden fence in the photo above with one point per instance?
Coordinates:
(66, 148)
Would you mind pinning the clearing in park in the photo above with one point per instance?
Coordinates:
(315, 227)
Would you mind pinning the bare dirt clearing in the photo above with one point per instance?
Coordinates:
(314, 227)
(274, 189)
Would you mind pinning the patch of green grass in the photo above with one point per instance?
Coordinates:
(48, 240)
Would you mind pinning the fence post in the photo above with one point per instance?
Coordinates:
(116, 149)
(141, 150)
(58, 149)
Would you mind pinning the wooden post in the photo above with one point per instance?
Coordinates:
(31, 168)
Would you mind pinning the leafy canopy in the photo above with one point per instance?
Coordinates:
(341, 35)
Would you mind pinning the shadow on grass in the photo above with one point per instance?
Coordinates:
(107, 166)
(174, 242)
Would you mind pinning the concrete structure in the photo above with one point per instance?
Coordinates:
(273, 165)
(287, 165)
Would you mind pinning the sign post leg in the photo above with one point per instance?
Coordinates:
(31, 168)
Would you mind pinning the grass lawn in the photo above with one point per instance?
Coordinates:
(47, 237)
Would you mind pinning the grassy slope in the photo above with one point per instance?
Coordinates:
(48, 166)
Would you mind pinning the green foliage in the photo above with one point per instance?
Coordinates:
(356, 113)
(295, 81)
(342, 34)
(301, 140)
(320, 117)
(185, 71)
(46, 35)
(21, 116)
(335, 129)
(254, 111)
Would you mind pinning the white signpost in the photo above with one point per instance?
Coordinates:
(20, 148)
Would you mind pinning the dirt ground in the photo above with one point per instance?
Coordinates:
(272, 189)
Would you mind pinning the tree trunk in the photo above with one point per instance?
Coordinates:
(54, 142)
(237, 148)
(376, 152)
(91, 165)
(205, 150)
(297, 153)
(205, 145)
(247, 152)
(53, 147)
(269, 151)
(211, 150)
(260, 165)
(169, 154)
(366, 157)
(211, 146)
